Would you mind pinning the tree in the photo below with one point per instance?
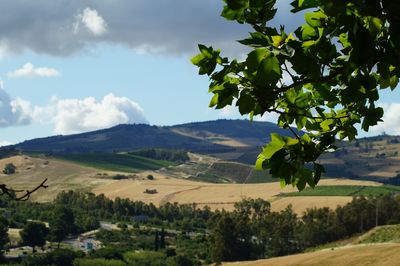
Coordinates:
(231, 239)
(34, 234)
(62, 223)
(9, 169)
(3, 235)
(334, 66)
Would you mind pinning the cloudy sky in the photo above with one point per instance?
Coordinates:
(71, 66)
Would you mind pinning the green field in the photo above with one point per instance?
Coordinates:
(382, 234)
(345, 191)
(116, 162)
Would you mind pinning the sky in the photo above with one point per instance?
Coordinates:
(71, 66)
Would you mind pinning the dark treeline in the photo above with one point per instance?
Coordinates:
(163, 154)
(251, 231)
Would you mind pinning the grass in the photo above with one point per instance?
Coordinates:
(371, 191)
(210, 178)
(116, 162)
(260, 176)
(382, 234)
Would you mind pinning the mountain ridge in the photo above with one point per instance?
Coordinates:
(200, 137)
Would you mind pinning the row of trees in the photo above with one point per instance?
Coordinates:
(252, 231)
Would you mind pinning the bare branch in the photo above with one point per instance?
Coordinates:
(12, 193)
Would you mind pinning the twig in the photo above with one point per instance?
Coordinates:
(12, 192)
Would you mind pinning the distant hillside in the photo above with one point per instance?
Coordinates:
(251, 133)
(210, 137)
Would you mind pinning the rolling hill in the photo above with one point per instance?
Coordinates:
(236, 141)
(378, 246)
(218, 136)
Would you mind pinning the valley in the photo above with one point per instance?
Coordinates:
(132, 178)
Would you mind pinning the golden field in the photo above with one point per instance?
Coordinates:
(384, 254)
(63, 175)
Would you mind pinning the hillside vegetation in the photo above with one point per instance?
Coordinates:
(345, 190)
(125, 162)
(240, 141)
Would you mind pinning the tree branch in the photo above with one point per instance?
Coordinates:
(24, 197)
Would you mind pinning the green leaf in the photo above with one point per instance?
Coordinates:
(276, 144)
(315, 19)
(307, 33)
(214, 100)
(196, 60)
(255, 57)
(269, 72)
(245, 103)
(282, 182)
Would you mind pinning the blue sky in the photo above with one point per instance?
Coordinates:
(74, 66)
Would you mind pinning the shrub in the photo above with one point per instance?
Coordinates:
(98, 262)
(9, 169)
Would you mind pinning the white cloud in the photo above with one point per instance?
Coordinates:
(5, 143)
(29, 70)
(91, 19)
(65, 27)
(391, 120)
(75, 116)
(13, 112)
(229, 111)
(71, 115)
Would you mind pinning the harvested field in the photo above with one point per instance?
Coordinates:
(218, 196)
(359, 255)
(300, 204)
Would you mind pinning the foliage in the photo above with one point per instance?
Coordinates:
(145, 258)
(62, 223)
(387, 233)
(34, 234)
(371, 191)
(230, 240)
(9, 169)
(181, 261)
(335, 64)
(98, 262)
(4, 239)
(163, 154)
(116, 162)
(62, 257)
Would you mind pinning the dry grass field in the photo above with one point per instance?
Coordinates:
(218, 196)
(61, 175)
(386, 254)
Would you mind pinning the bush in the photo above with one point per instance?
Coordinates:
(109, 253)
(61, 257)
(150, 177)
(145, 258)
(9, 169)
(98, 262)
(181, 260)
(119, 177)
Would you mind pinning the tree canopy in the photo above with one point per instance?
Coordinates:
(325, 77)
(34, 234)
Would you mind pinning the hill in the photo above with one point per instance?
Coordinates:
(376, 247)
(235, 141)
(218, 136)
(358, 255)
